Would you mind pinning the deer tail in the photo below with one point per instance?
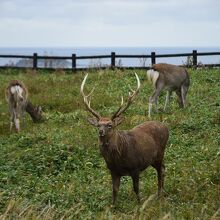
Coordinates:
(17, 91)
(152, 76)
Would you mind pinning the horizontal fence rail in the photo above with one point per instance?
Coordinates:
(113, 56)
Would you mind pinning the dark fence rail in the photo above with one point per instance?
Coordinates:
(113, 56)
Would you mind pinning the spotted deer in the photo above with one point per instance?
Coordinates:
(171, 78)
(16, 95)
(128, 152)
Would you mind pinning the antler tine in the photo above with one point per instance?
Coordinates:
(122, 100)
(85, 98)
(130, 98)
(115, 114)
(131, 89)
(90, 92)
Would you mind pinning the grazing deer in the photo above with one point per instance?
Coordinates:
(127, 153)
(16, 95)
(169, 77)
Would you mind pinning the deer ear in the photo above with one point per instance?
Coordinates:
(93, 121)
(117, 121)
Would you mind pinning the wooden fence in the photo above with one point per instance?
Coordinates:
(113, 56)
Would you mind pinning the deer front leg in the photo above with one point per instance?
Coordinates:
(184, 90)
(22, 113)
(167, 99)
(135, 178)
(160, 174)
(11, 112)
(115, 186)
(179, 98)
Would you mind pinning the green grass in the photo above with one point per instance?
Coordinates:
(54, 169)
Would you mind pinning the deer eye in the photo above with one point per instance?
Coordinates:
(109, 126)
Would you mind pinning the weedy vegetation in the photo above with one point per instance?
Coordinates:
(54, 170)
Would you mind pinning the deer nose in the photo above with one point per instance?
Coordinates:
(101, 132)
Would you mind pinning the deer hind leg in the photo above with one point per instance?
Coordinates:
(16, 121)
(12, 115)
(169, 93)
(135, 179)
(154, 99)
(160, 176)
(11, 122)
(115, 186)
(17, 124)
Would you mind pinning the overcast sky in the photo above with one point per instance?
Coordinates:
(69, 23)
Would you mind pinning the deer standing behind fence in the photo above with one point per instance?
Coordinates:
(127, 153)
(169, 77)
(16, 95)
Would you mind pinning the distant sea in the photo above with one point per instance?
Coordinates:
(83, 51)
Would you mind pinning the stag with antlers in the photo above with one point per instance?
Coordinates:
(127, 153)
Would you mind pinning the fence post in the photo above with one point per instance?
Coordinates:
(195, 58)
(113, 60)
(35, 61)
(73, 61)
(153, 58)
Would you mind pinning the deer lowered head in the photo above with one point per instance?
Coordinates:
(36, 113)
(127, 153)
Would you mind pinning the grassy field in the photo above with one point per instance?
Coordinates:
(54, 170)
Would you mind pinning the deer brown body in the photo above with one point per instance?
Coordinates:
(16, 95)
(127, 153)
(169, 77)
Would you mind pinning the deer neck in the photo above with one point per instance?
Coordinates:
(108, 139)
(31, 110)
(110, 146)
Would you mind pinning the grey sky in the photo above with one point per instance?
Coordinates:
(109, 23)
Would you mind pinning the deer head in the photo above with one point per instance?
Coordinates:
(39, 112)
(34, 112)
(106, 125)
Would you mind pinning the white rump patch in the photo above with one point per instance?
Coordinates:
(152, 76)
(13, 90)
(18, 90)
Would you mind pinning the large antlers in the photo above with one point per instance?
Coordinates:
(85, 99)
(122, 107)
(130, 99)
